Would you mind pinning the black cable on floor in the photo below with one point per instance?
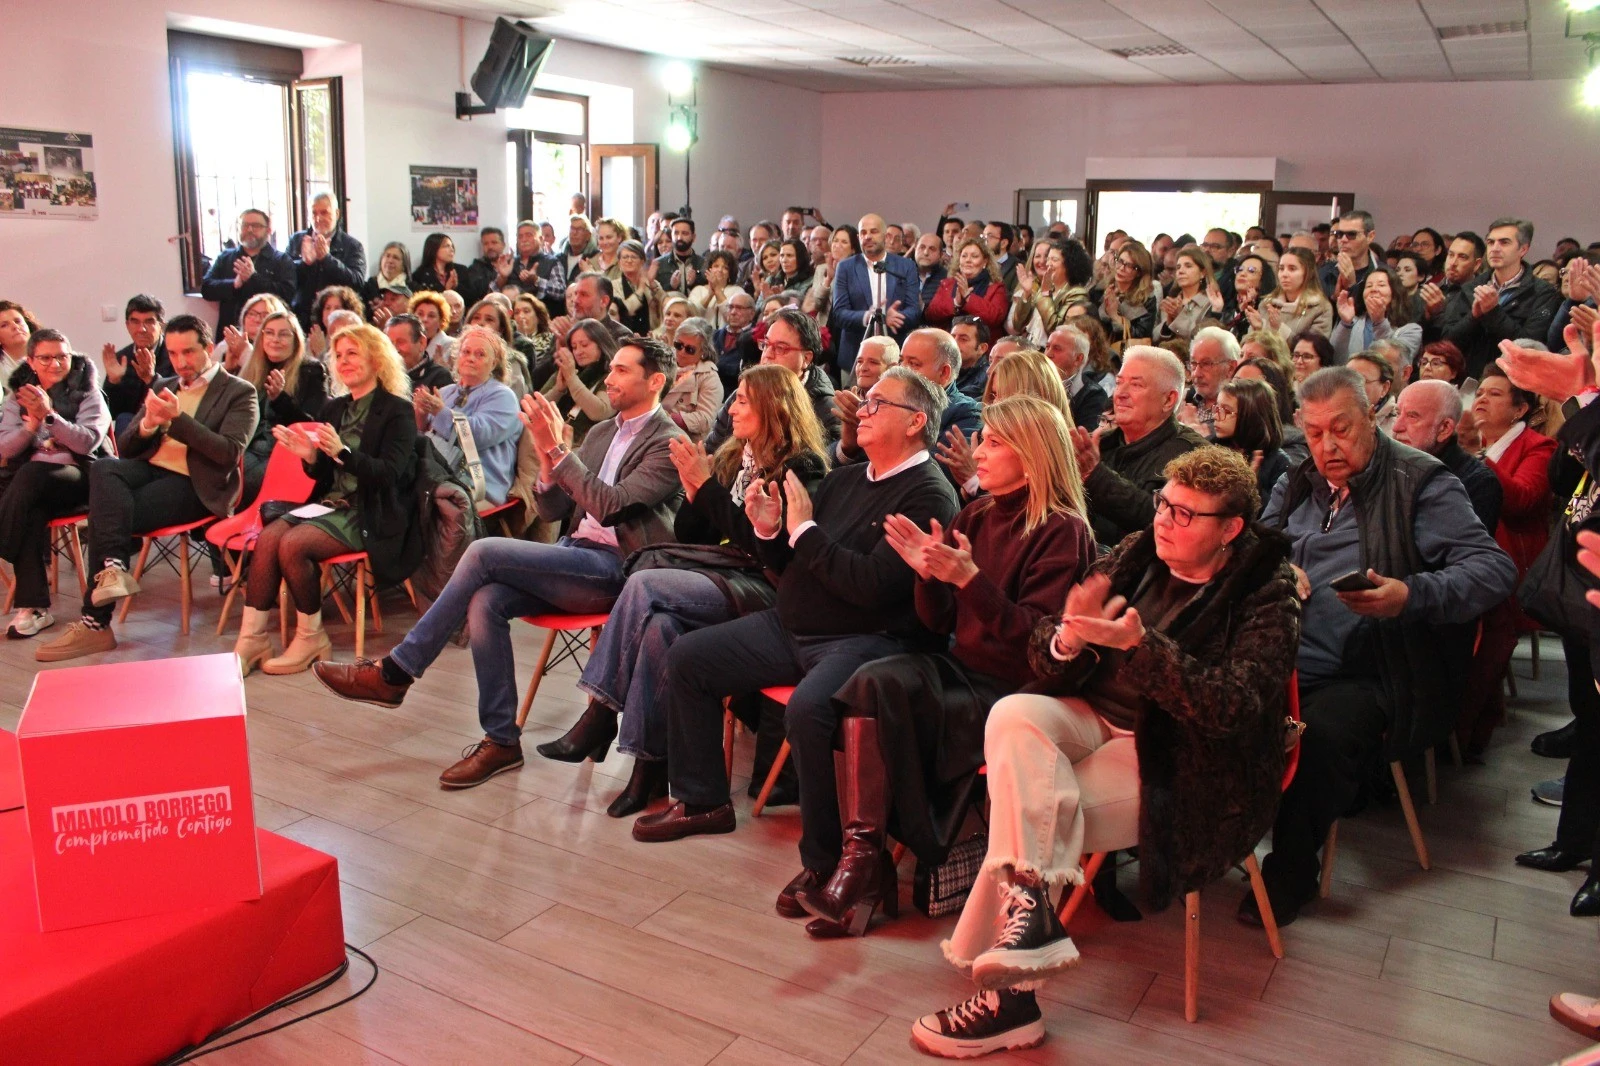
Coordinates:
(208, 1045)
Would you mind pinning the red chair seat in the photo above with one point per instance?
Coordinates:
(567, 623)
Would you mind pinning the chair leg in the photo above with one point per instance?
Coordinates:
(1329, 848)
(1455, 751)
(1191, 957)
(235, 571)
(727, 740)
(77, 559)
(373, 606)
(1430, 773)
(283, 612)
(331, 588)
(772, 779)
(1534, 649)
(185, 583)
(538, 674)
(1269, 921)
(361, 608)
(1074, 899)
(1410, 811)
(412, 592)
(1511, 681)
(138, 572)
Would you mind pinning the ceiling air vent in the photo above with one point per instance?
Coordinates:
(1152, 51)
(877, 61)
(1483, 29)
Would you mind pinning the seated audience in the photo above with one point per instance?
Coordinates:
(1298, 303)
(674, 311)
(716, 577)
(912, 724)
(410, 342)
(792, 340)
(972, 338)
(1247, 421)
(1309, 352)
(1378, 375)
(1129, 307)
(1068, 350)
(129, 370)
(1162, 707)
(291, 386)
(434, 313)
(532, 321)
(581, 367)
(844, 599)
(1123, 467)
(1392, 657)
(362, 456)
(1382, 315)
(1213, 355)
(1442, 361)
(323, 305)
(437, 272)
(619, 490)
(481, 401)
(1253, 277)
(324, 256)
(695, 397)
(1520, 459)
(1426, 416)
(16, 326)
(638, 295)
(394, 273)
(1194, 296)
(233, 349)
(974, 287)
(53, 425)
(180, 462)
(1040, 304)
(489, 314)
(735, 342)
(877, 354)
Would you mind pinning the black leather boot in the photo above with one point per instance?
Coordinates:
(865, 877)
(589, 738)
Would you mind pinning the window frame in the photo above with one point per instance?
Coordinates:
(523, 139)
(1094, 187)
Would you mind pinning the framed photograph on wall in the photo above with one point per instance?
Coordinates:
(444, 198)
(47, 174)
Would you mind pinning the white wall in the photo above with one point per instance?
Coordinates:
(1450, 155)
(100, 67)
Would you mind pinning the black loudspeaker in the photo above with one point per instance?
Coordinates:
(515, 55)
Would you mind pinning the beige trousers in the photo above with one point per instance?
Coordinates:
(1062, 782)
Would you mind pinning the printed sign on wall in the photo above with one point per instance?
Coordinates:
(46, 174)
(444, 198)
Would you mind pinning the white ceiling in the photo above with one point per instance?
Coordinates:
(963, 43)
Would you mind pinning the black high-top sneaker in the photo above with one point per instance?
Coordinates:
(989, 1021)
(1032, 944)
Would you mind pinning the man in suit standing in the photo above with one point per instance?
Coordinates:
(324, 255)
(255, 266)
(873, 293)
(180, 463)
(618, 491)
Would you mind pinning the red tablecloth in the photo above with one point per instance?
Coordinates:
(136, 991)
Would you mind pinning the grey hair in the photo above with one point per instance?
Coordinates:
(1080, 339)
(696, 327)
(1327, 383)
(949, 351)
(1229, 343)
(1531, 344)
(337, 317)
(324, 195)
(922, 394)
(1524, 228)
(1168, 366)
(887, 347)
(1443, 393)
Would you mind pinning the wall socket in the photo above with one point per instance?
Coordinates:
(108, 312)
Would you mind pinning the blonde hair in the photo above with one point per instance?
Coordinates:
(428, 296)
(376, 346)
(618, 227)
(497, 349)
(989, 263)
(1032, 375)
(273, 302)
(1039, 435)
(256, 370)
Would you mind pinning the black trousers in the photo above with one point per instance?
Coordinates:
(1344, 734)
(746, 655)
(128, 497)
(39, 492)
(1579, 827)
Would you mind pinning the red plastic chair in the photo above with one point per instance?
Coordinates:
(500, 512)
(176, 557)
(778, 694)
(65, 541)
(1191, 902)
(235, 536)
(570, 628)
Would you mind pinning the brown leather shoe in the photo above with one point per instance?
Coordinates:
(675, 823)
(361, 680)
(480, 762)
(790, 907)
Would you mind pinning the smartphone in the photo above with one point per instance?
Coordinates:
(963, 208)
(1354, 581)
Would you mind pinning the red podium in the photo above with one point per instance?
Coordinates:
(136, 787)
(10, 773)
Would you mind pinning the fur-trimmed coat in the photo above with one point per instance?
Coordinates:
(1210, 737)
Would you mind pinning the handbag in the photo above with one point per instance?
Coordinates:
(1552, 592)
(939, 889)
(272, 510)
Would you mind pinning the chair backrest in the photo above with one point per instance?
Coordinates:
(1292, 763)
(286, 478)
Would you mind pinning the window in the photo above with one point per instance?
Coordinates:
(249, 133)
(1146, 208)
(552, 146)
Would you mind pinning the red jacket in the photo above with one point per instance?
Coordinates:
(991, 307)
(1524, 473)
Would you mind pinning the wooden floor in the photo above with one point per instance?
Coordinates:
(516, 923)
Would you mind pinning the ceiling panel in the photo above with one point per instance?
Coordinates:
(1069, 42)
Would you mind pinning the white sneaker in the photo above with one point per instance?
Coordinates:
(28, 622)
(223, 583)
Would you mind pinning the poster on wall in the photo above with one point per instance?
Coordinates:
(444, 197)
(46, 174)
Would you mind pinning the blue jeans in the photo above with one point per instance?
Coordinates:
(499, 579)
(628, 670)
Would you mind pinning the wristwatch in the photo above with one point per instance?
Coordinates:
(556, 454)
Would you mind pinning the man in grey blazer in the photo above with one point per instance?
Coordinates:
(618, 491)
(180, 463)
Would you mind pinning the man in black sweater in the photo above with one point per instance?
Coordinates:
(253, 267)
(844, 599)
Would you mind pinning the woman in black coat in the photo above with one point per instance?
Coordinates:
(363, 458)
(437, 272)
(1247, 422)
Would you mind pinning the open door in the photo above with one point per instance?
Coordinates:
(1041, 207)
(1290, 212)
(622, 182)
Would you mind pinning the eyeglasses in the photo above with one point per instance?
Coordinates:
(1433, 361)
(1348, 234)
(869, 406)
(1182, 515)
(1206, 364)
(779, 349)
(1209, 245)
(63, 357)
(692, 349)
(1127, 264)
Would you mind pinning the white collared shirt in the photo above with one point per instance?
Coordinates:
(627, 430)
(1495, 451)
(916, 460)
(877, 284)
